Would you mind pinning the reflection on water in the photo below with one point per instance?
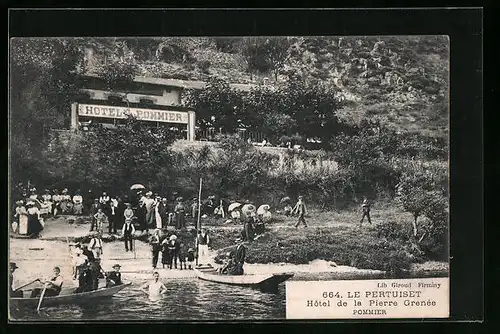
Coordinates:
(185, 300)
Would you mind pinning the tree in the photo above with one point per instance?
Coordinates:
(277, 52)
(216, 104)
(112, 158)
(42, 89)
(417, 193)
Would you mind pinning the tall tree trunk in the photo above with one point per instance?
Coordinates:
(415, 226)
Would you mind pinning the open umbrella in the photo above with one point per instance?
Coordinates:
(137, 186)
(285, 200)
(233, 206)
(262, 209)
(248, 209)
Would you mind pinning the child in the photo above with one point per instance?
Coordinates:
(366, 211)
(165, 255)
(190, 258)
(100, 218)
(182, 256)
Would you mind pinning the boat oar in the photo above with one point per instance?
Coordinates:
(25, 285)
(41, 298)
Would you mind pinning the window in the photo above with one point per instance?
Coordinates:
(146, 101)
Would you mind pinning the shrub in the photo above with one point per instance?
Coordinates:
(203, 65)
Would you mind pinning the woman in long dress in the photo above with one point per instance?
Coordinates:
(22, 218)
(157, 213)
(34, 225)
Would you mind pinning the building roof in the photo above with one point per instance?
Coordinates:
(184, 84)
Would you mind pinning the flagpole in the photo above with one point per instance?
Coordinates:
(198, 222)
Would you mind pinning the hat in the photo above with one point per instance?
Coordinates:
(179, 199)
(13, 265)
(195, 198)
(20, 202)
(116, 265)
(128, 204)
(300, 197)
(164, 199)
(30, 203)
(190, 249)
(149, 193)
(173, 237)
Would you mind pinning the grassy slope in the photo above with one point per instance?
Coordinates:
(367, 96)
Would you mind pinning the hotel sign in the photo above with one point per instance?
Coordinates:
(152, 115)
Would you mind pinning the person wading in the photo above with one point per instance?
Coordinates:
(301, 210)
(154, 289)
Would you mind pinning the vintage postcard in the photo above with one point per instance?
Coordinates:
(235, 178)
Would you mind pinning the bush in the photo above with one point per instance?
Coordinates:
(204, 65)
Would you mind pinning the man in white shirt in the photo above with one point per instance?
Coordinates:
(53, 285)
(95, 246)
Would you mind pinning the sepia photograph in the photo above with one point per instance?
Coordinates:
(228, 178)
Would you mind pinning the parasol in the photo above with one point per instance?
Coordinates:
(248, 209)
(137, 186)
(285, 200)
(262, 209)
(233, 206)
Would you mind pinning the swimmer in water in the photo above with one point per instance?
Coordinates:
(154, 288)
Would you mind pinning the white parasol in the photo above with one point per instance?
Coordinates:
(233, 206)
(137, 186)
(263, 209)
(248, 209)
(285, 200)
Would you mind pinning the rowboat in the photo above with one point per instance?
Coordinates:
(67, 296)
(262, 281)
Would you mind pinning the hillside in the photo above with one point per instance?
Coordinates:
(400, 81)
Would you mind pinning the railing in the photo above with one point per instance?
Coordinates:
(211, 134)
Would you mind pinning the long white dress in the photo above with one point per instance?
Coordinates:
(157, 216)
(23, 220)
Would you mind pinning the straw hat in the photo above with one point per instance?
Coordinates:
(190, 249)
(29, 203)
(20, 202)
(173, 237)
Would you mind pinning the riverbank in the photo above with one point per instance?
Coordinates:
(334, 251)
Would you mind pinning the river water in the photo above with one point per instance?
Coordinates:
(187, 299)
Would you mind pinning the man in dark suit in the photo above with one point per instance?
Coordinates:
(93, 210)
(239, 260)
(114, 277)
